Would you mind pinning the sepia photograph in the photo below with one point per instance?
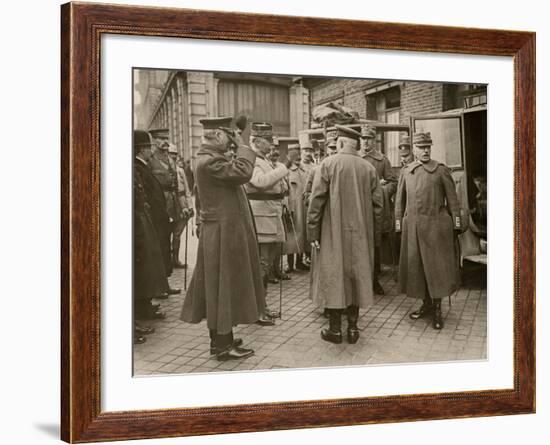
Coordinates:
(293, 221)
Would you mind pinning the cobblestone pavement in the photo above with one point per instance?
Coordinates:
(387, 335)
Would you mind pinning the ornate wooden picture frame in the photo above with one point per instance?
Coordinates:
(82, 27)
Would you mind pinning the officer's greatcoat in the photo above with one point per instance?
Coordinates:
(226, 287)
(344, 213)
(427, 206)
(266, 180)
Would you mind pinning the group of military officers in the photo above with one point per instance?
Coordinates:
(162, 208)
(330, 216)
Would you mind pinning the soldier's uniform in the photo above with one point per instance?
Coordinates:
(185, 204)
(426, 212)
(296, 240)
(265, 191)
(389, 185)
(405, 153)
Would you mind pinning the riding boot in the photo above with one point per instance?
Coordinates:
(334, 333)
(353, 331)
(437, 321)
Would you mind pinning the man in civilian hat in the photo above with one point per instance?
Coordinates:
(296, 219)
(343, 222)
(266, 191)
(226, 287)
(388, 183)
(405, 153)
(427, 212)
(149, 217)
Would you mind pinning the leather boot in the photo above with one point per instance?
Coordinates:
(353, 330)
(437, 321)
(334, 333)
(424, 310)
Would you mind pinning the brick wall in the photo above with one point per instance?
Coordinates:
(416, 97)
(420, 98)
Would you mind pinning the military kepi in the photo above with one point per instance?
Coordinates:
(368, 132)
(422, 139)
(216, 123)
(404, 143)
(262, 130)
(160, 133)
(348, 132)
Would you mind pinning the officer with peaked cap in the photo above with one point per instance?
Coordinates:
(343, 221)
(266, 191)
(226, 287)
(388, 183)
(150, 219)
(427, 212)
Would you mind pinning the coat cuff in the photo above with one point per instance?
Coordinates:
(247, 153)
(313, 234)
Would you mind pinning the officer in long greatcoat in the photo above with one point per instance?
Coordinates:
(343, 220)
(226, 287)
(388, 185)
(266, 191)
(427, 212)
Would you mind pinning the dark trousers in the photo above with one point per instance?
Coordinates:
(220, 341)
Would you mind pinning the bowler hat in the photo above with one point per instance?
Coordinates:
(142, 138)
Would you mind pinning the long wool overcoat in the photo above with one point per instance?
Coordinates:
(149, 275)
(344, 213)
(226, 287)
(426, 204)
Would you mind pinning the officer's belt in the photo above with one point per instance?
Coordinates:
(265, 196)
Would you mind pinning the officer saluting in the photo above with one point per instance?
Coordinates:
(427, 212)
(226, 287)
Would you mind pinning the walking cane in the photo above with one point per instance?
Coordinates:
(186, 265)
(394, 271)
(281, 282)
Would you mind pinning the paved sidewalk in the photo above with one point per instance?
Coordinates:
(387, 335)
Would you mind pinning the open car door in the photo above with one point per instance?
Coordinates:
(448, 134)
